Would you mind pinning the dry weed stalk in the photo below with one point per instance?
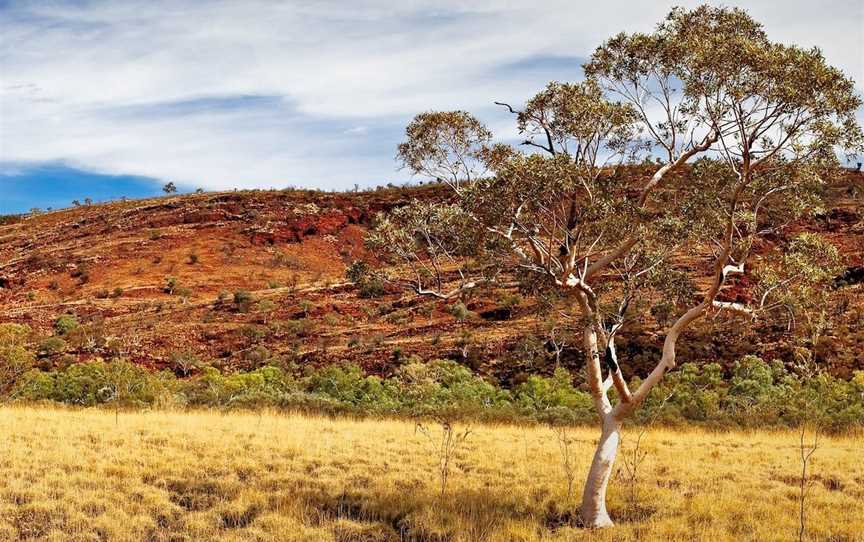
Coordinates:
(634, 458)
(568, 464)
(445, 448)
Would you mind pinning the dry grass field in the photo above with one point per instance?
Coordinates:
(84, 475)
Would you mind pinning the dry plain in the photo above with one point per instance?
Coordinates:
(91, 475)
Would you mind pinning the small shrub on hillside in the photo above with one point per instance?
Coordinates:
(65, 324)
(170, 285)
(372, 288)
(509, 301)
(369, 285)
(300, 328)
(183, 292)
(184, 363)
(460, 312)
(52, 345)
(243, 300)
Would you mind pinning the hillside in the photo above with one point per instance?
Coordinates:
(163, 282)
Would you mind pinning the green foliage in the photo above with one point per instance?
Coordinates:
(446, 388)
(346, 383)
(243, 300)
(460, 312)
(369, 284)
(94, 383)
(15, 358)
(170, 285)
(548, 393)
(65, 323)
(755, 394)
(444, 146)
(52, 345)
(263, 386)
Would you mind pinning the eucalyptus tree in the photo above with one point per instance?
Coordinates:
(745, 131)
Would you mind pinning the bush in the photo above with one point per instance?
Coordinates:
(369, 285)
(372, 288)
(65, 323)
(346, 383)
(243, 300)
(15, 358)
(446, 388)
(52, 345)
(94, 383)
(757, 394)
(263, 386)
(460, 312)
(540, 394)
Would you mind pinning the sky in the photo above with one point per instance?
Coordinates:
(103, 99)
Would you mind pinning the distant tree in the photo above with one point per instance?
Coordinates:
(15, 358)
(199, 190)
(76, 203)
(169, 188)
(756, 124)
(88, 202)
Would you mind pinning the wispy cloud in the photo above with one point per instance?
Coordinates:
(227, 94)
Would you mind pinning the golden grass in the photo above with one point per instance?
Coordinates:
(76, 475)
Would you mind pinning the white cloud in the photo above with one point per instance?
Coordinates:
(107, 85)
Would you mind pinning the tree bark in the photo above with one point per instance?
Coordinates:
(593, 509)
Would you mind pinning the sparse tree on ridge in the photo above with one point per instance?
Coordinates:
(747, 131)
(169, 188)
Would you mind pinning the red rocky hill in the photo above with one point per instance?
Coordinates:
(155, 280)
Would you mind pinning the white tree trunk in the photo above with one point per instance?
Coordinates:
(593, 508)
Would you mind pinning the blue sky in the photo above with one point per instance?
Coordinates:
(56, 185)
(108, 98)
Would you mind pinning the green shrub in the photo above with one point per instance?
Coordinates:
(369, 285)
(266, 385)
(65, 323)
(460, 312)
(756, 394)
(52, 345)
(540, 394)
(444, 387)
(347, 383)
(15, 358)
(94, 383)
(170, 285)
(243, 300)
